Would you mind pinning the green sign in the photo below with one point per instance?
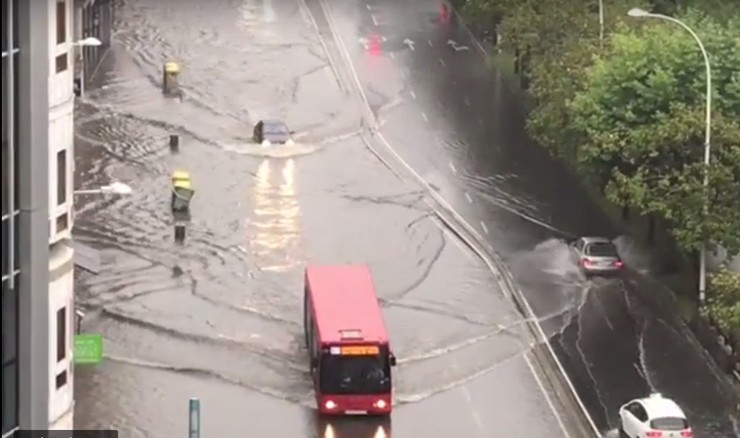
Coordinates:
(88, 349)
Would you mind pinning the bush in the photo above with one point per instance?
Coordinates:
(723, 300)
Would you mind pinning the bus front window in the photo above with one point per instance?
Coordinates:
(355, 374)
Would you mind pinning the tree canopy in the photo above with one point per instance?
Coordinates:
(628, 112)
(641, 113)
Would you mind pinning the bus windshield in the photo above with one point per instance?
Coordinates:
(355, 374)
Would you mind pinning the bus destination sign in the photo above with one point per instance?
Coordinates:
(359, 350)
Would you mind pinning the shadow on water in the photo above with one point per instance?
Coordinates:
(353, 427)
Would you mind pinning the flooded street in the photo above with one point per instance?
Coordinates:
(459, 123)
(220, 316)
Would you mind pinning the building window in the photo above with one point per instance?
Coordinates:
(6, 169)
(61, 379)
(62, 222)
(5, 34)
(9, 357)
(62, 177)
(6, 247)
(62, 62)
(61, 334)
(61, 22)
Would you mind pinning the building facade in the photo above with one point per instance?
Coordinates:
(37, 260)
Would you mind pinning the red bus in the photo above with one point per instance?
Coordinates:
(350, 356)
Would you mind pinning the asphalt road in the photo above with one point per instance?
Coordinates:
(219, 317)
(460, 124)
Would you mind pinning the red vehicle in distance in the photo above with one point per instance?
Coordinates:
(349, 352)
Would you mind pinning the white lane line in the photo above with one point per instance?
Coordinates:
(547, 396)
(639, 371)
(375, 20)
(467, 101)
(468, 197)
(476, 418)
(441, 61)
(424, 116)
(393, 55)
(460, 242)
(369, 7)
(383, 38)
(452, 167)
(483, 225)
(430, 43)
(413, 95)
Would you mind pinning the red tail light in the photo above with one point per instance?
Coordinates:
(375, 45)
(618, 264)
(586, 262)
(687, 433)
(654, 434)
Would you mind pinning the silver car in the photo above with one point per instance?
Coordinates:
(596, 256)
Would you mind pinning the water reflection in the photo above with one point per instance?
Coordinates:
(274, 231)
(354, 427)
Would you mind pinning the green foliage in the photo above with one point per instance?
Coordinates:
(627, 112)
(723, 300)
(641, 113)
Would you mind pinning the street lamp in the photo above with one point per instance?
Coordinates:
(115, 188)
(640, 13)
(85, 42)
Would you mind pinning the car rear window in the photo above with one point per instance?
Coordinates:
(669, 423)
(275, 129)
(601, 250)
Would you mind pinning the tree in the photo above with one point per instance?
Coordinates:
(723, 304)
(641, 114)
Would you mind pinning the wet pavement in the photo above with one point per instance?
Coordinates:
(460, 125)
(219, 317)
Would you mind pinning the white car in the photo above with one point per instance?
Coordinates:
(653, 417)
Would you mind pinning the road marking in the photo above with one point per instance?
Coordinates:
(413, 95)
(441, 61)
(639, 371)
(476, 418)
(452, 167)
(483, 225)
(468, 197)
(393, 55)
(459, 220)
(383, 38)
(375, 20)
(430, 43)
(467, 101)
(424, 116)
(547, 396)
(369, 7)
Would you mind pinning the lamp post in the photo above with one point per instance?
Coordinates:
(640, 13)
(601, 21)
(115, 188)
(85, 42)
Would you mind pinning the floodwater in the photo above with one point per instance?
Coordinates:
(218, 316)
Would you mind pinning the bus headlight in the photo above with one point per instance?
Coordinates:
(380, 404)
(330, 404)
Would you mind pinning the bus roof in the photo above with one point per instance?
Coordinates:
(344, 300)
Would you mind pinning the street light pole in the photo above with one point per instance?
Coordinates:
(85, 42)
(115, 188)
(601, 21)
(707, 137)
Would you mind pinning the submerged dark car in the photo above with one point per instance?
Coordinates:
(272, 132)
(596, 256)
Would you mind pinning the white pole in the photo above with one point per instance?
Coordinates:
(707, 146)
(601, 21)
